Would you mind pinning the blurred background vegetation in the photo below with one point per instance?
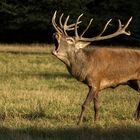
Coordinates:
(28, 21)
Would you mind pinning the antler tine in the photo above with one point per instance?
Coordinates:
(72, 26)
(65, 25)
(55, 25)
(128, 33)
(76, 32)
(105, 27)
(124, 27)
(60, 20)
(86, 28)
(120, 24)
(53, 21)
(128, 22)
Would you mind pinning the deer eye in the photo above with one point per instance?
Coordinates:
(53, 35)
(70, 40)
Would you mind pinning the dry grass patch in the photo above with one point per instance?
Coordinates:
(39, 100)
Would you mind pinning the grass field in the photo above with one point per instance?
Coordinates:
(39, 100)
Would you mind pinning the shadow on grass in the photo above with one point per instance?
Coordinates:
(82, 133)
(45, 75)
(55, 75)
(34, 115)
(26, 52)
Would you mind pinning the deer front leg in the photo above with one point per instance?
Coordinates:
(89, 98)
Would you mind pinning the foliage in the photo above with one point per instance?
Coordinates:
(34, 15)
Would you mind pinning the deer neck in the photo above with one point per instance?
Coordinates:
(78, 64)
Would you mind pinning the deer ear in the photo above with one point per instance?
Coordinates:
(81, 44)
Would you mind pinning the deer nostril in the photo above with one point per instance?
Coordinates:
(54, 52)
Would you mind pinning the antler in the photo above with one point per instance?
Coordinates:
(121, 30)
(63, 28)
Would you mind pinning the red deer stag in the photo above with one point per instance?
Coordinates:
(98, 68)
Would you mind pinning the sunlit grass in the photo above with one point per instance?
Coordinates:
(40, 100)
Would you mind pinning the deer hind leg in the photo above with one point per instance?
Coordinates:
(136, 86)
(138, 112)
(87, 101)
(138, 107)
(96, 107)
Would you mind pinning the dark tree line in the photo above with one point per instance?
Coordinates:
(30, 20)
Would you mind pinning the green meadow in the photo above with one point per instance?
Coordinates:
(39, 100)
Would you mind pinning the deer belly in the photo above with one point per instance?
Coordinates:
(107, 83)
(104, 83)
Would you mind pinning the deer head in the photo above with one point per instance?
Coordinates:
(64, 44)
